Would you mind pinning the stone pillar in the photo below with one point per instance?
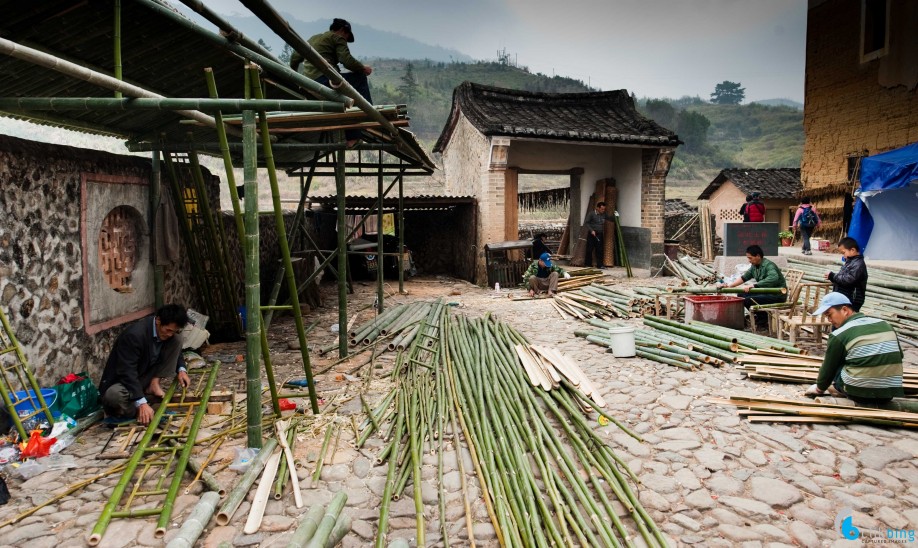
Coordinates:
(655, 164)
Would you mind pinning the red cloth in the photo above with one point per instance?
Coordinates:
(71, 377)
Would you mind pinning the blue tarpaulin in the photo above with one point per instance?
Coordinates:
(884, 217)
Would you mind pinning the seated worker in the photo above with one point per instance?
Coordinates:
(332, 46)
(538, 245)
(147, 350)
(765, 273)
(851, 279)
(542, 275)
(863, 358)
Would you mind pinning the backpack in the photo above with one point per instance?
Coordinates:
(756, 212)
(808, 218)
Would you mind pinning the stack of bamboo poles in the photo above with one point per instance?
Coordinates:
(809, 412)
(691, 270)
(606, 302)
(467, 372)
(323, 527)
(890, 296)
(531, 448)
(580, 276)
(707, 232)
(781, 367)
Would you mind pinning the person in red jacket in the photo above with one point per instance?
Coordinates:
(756, 209)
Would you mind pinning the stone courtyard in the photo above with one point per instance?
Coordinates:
(708, 477)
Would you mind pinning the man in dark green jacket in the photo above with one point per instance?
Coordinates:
(765, 273)
(863, 358)
(332, 45)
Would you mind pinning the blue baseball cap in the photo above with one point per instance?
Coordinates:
(546, 258)
(831, 299)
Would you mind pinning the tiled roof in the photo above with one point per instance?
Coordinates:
(777, 183)
(599, 117)
(678, 206)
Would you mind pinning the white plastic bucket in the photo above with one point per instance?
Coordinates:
(622, 341)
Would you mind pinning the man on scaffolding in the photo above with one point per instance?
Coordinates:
(332, 45)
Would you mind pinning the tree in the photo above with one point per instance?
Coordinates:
(728, 93)
(285, 54)
(409, 86)
(692, 128)
(661, 111)
(263, 44)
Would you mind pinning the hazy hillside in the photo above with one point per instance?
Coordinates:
(370, 42)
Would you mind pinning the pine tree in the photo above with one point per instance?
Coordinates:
(409, 86)
(286, 53)
(728, 93)
(263, 44)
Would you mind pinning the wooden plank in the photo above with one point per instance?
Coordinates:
(796, 419)
(511, 207)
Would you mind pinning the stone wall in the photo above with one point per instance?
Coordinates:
(41, 253)
(848, 111)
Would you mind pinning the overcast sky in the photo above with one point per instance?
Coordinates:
(654, 48)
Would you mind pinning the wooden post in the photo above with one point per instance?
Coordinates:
(565, 244)
(611, 199)
(511, 205)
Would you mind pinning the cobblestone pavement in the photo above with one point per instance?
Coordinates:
(708, 478)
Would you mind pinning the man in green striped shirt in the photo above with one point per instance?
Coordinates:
(863, 358)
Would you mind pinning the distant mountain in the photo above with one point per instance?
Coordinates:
(369, 43)
(780, 103)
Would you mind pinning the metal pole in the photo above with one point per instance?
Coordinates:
(252, 283)
(380, 292)
(340, 188)
(156, 195)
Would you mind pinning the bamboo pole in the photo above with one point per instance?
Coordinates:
(307, 527)
(341, 190)
(282, 437)
(179, 470)
(238, 494)
(94, 104)
(252, 283)
(80, 72)
(196, 522)
(105, 518)
(285, 250)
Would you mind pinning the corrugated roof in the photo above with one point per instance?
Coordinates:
(363, 202)
(601, 117)
(776, 183)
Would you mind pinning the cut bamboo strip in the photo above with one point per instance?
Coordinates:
(533, 368)
(253, 523)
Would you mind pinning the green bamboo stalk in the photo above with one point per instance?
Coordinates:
(341, 190)
(307, 527)
(238, 494)
(284, 247)
(182, 463)
(116, 46)
(341, 529)
(327, 524)
(105, 518)
(252, 281)
(195, 523)
(319, 461)
(390, 476)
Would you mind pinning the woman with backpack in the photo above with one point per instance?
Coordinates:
(806, 219)
(755, 209)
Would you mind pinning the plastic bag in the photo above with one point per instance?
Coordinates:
(285, 404)
(243, 459)
(28, 469)
(37, 446)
